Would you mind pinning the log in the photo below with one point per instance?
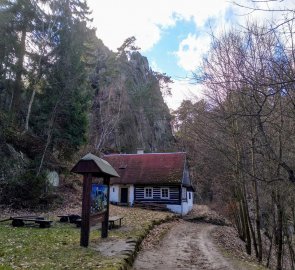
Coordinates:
(6, 219)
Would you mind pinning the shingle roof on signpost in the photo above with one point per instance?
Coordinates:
(95, 165)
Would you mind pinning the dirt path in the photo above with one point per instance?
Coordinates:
(187, 245)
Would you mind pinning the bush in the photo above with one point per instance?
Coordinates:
(26, 191)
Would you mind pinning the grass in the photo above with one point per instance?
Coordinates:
(58, 247)
(238, 263)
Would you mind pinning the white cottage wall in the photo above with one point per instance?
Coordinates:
(114, 193)
(184, 208)
(190, 200)
(131, 194)
(174, 208)
(179, 209)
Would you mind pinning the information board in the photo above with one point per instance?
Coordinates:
(99, 199)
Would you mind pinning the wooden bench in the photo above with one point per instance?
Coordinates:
(112, 221)
(70, 218)
(63, 218)
(20, 221)
(78, 222)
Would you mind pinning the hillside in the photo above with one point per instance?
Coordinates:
(126, 111)
(63, 93)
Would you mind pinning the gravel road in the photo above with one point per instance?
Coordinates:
(187, 245)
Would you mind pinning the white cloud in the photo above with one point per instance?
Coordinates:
(181, 90)
(155, 67)
(191, 51)
(145, 19)
(193, 48)
(117, 20)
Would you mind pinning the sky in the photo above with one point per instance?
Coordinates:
(174, 35)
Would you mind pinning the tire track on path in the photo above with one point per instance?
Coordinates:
(186, 246)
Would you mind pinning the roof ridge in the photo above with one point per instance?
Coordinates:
(145, 154)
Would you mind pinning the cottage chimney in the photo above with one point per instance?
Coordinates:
(140, 151)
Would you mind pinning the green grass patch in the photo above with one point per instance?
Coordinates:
(58, 247)
(238, 263)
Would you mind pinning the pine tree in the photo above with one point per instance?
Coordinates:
(18, 18)
(61, 113)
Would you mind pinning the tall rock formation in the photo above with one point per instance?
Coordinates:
(128, 110)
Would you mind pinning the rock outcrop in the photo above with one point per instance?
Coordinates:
(128, 110)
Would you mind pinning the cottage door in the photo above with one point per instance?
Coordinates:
(124, 195)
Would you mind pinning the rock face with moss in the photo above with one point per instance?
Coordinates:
(128, 110)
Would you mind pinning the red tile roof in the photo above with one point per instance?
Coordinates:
(154, 168)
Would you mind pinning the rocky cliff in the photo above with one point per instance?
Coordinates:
(128, 111)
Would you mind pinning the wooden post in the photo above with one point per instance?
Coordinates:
(86, 200)
(105, 223)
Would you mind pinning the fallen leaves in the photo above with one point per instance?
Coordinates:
(155, 236)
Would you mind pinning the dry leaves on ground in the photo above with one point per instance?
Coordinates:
(155, 236)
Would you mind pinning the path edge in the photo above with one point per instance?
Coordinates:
(130, 254)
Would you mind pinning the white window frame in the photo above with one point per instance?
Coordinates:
(148, 197)
(168, 193)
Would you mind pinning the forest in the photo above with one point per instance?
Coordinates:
(64, 93)
(240, 137)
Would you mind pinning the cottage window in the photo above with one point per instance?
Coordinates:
(148, 193)
(190, 195)
(164, 193)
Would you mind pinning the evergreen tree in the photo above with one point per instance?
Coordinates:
(61, 113)
(44, 55)
(18, 19)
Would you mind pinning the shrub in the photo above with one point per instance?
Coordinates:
(26, 191)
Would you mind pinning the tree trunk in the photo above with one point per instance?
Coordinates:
(247, 227)
(237, 218)
(269, 251)
(242, 220)
(29, 110)
(279, 235)
(49, 136)
(291, 251)
(253, 237)
(15, 106)
(258, 226)
(258, 244)
(293, 216)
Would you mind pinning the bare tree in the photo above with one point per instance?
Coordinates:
(249, 81)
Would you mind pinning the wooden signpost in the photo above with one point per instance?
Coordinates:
(105, 222)
(92, 166)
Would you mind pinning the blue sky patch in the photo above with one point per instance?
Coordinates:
(163, 52)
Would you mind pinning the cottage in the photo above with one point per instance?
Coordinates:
(161, 178)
